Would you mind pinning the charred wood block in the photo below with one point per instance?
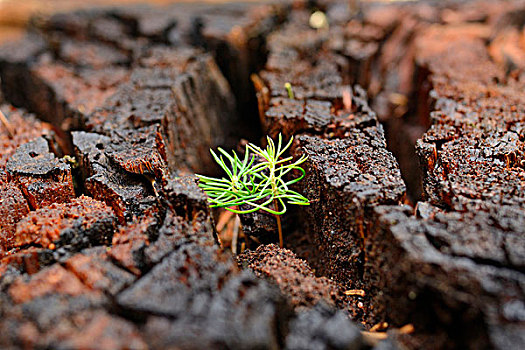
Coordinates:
(459, 274)
(74, 24)
(29, 323)
(472, 168)
(62, 94)
(130, 108)
(14, 60)
(178, 279)
(24, 260)
(140, 151)
(35, 158)
(83, 222)
(472, 154)
(96, 329)
(196, 102)
(13, 207)
(322, 327)
(128, 194)
(201, 96)
(41, 192)
(345, 178)
(322, 81)
(52, 280)
(176, 232)
(149, 22)
(25, 128)
(89, 54)
(130, 241)
(94, 268)
(296, 36)
(65, 321)
(55, 91)
(204, 101)
(293, 276)
(43, 177)
(291, 117)
(245, 313)
(186, 197)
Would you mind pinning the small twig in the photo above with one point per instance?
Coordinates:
(373, 338)
(359, 292)
(8, 127)
(379, 326)
(347, 99)
(407, 329)
(236, 226)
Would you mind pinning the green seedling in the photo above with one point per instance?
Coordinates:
(288, 88)
(256, 182)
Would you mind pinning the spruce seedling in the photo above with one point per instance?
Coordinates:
(256, 182)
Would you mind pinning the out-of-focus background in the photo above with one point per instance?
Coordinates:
(14, 14)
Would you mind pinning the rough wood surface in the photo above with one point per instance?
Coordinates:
(116, 247)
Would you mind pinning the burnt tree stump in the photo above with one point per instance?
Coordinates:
(411, 115)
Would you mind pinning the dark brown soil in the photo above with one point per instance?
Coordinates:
(293, 275)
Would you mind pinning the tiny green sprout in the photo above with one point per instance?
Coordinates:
(256, 182)
(288, 88)
(72, 161)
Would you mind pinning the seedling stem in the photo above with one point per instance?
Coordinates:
(278, 219)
